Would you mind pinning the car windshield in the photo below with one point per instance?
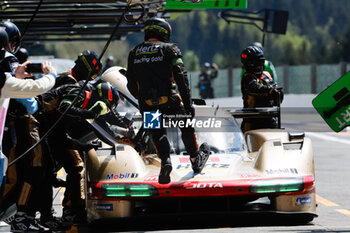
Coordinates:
(226, 139)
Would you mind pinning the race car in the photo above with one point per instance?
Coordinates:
(272, 165)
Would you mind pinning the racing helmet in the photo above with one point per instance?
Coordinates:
(4, 40)
(108, 94)
(14, 36)
(22, 55)
(253, 60)
(258, 44)
(86, 66)
(157, 28)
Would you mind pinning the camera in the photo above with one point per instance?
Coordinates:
(34, 68)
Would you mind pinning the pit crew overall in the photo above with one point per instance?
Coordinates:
(257, 92)
(157, 78)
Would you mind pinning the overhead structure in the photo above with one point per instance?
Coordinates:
(274, 21)
(71, 20)
(93, 20)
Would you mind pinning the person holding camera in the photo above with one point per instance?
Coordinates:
(258, 88)
(208, 73)
(15, 86)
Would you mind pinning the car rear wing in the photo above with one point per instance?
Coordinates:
(256, 113)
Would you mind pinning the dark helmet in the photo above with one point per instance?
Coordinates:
(22, 55)
(258, 44)
(14, 36)
(253, 59)
(4, 40)
(108, 94)
(110, 58)
(85, 65)
(157, 28)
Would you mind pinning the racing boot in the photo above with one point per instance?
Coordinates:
(24, 223)
(164, 175)
(200, 158)
(55, 224)
(72, 216)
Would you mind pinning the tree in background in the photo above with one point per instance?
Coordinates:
(191, 61)
(341, 48)
(317, 33)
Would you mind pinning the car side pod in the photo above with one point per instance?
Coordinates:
(111, 174)
(276, 157)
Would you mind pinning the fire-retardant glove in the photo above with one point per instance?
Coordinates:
(99, 108)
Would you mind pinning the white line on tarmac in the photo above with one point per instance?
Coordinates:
(344, 211)
(325, 202)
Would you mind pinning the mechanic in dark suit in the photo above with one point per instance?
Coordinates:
(258, 88)
(65, 147)
(62, 142)
(155, 73)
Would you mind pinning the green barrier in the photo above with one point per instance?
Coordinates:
(205, 4)
(333, 104)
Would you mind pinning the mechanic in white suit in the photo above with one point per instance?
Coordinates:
(17, 87)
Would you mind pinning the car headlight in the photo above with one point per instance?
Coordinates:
(129, 190)
(277, 185)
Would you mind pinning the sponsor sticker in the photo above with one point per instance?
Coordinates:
(203, 185)
(247, 175)
(210, 159)
(301, 201)
(152, 178)
(208, 166)
(149, 49)
(275, 171)
(104, 207)
(113, 176)
(205, 4)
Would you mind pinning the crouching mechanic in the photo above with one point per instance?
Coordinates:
(155, 72)
(64, 145)
(258, 88)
